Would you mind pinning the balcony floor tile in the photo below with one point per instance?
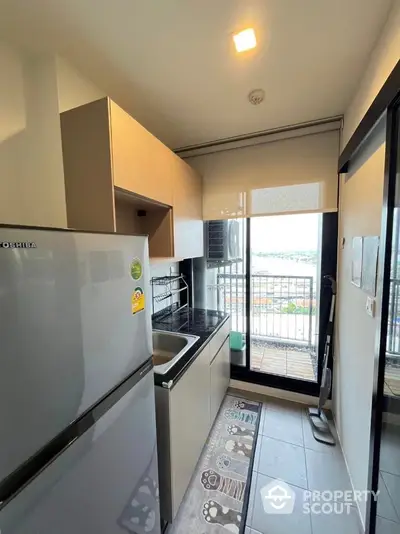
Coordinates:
(282, 361)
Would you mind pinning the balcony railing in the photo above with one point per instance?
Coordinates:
(283, 308)
(393, 335)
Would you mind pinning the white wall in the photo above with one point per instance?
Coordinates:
(360, 214)
(73, 88)
(34, 89)
(383, 59)
(158, 269)
(31, 171)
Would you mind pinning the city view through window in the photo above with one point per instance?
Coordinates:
(284, 290)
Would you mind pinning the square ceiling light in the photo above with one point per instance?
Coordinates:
(245, 40)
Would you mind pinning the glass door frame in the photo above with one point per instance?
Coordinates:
(329, 243)
(386, 101)
(392, 161)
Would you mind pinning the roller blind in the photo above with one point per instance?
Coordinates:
(292, 175)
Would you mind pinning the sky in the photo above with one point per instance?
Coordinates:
(285, 233)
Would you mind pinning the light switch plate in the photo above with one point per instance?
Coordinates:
(370, 306)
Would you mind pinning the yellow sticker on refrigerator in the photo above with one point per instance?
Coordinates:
(138, 300)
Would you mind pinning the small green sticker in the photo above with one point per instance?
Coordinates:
(136, 269)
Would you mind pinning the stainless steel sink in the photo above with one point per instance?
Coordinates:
(168, 348)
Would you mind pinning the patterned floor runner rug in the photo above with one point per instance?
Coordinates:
(217, 498)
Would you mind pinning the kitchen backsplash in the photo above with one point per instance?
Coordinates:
(163, 269)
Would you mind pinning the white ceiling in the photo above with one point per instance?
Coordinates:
(172, 64)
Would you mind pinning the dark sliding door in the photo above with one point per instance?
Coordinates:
(287, 299)
(385, 513)
(275, 291)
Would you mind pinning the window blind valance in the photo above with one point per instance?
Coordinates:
(292, 175)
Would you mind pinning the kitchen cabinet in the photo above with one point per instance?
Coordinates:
(188, 211)
(120, 178)
(89, 188)
(136, 215)
(189, 424)
(185, 415)
(219, 378)
(141, 163)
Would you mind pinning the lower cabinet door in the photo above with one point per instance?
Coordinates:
(189, 425)
(219, 378)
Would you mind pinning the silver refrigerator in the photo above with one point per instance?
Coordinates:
(77, 414)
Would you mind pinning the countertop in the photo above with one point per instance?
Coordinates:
(196, 321)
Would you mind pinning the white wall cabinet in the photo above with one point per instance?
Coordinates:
(185, 415)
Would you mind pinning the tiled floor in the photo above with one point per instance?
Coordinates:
(282, 361)
(389, 481)
(392, 381)
(286, 450)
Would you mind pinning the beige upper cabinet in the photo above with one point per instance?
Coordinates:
(89, 188)
(120, 178)
(187, 211)
(141, 163)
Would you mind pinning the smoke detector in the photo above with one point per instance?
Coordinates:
(256, 96)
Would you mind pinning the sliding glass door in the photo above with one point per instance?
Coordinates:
(275, 291)
(384, 513)
(284, 295)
